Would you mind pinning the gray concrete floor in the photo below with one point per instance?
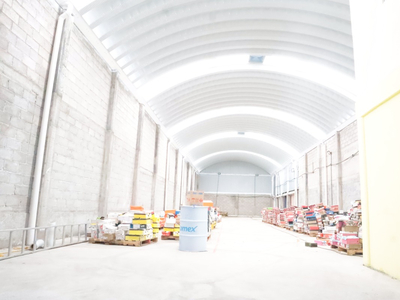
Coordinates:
(246, 259)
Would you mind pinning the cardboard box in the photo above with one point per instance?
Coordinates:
(126, 218)
(195, 198)
(350, 228)
(140, 226)
(107, 237)
(142, 215)
(142, 222)
(140, 231)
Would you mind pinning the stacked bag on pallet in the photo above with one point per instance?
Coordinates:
(141, 228)
(156, 224)
(171, 227)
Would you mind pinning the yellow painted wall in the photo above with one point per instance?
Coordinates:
(376, 40)
(382, 166)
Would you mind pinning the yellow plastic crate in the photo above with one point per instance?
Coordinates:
(155, 219)
(155, 230)
(156, 225)
(171, 229)
(142, 221)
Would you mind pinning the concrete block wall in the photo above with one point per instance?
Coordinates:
(76, 138)
(330, 172)
(26, 34)
(91, 150)
(123, 151)
(240, 205)
(146, 163)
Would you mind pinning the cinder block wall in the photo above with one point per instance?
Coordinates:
(339, 183)
(26, 36)
(91, 148)
(240, 205)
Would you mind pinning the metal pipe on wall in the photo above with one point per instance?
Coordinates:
(166, 177)
(155, 169)
(181, 187)
(339, 172)
(326, 175)
(37, 177)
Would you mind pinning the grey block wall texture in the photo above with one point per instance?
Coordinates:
(340, 184)
(123, 151)
(75, 145)
(146, 163)
(240, 205)
(75, 149)
(26, 34)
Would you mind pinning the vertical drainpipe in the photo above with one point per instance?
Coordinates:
(296, 183)
(319, 173)
(331, 185)
(181, 187)
(339, 172)
(326, 175)
(40, 152)
(306, 178)
(137, 154)
(176, 178)
(155, 169)
(166, 177)
(187, 177)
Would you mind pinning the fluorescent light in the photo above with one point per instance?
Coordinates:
(249, 135)
(249, 110)
(270, 160)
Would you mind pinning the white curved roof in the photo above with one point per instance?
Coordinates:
(188, 60)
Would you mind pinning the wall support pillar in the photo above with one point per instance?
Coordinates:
(108, 146)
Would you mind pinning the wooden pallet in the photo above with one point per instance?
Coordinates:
(170, 237)
(124, 243)
(348, 251)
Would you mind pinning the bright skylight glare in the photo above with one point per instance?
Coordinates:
(270, 160)
(248, 135)
(79, 4)
(313, 72)
(249, 110)
(191, 71)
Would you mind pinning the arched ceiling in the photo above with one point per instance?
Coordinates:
(189, 61)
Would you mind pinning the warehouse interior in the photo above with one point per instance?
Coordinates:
(265, 106)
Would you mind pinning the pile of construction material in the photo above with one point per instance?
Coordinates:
(172, 227)
(331, 227)
(133, 228)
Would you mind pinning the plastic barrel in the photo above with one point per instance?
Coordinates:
(194, 228)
